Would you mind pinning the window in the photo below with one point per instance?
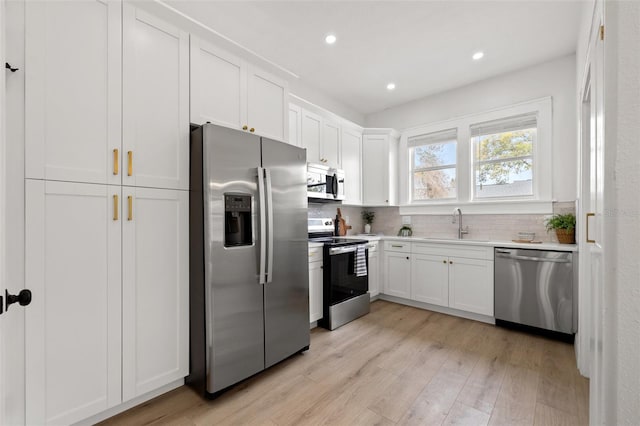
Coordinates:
(433, 165)
(503, 157)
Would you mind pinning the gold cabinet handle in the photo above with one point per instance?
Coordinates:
(115, 207)
(130, 202)
(587, 230)
(115, 161)
(252, 130)
(451, 262)
(245, 127)
(130, 161)
(444, 261)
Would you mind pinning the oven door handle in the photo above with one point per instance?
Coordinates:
(343, 250)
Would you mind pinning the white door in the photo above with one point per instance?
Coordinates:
(73, 91)
(315, 291)
(471, 285)
(295, 125)
(398, 274)
(311, 135)
(430, 279)
(374, 275)
(375, 170)
(267, 105)
(352, 164)
(155, 118)
(155, 289)
(73, 340)
(218, 86)
(330, 146)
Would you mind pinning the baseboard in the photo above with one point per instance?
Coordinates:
(313, 325)
(440, 309)
(130, 404)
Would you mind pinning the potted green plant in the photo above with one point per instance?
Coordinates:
(367, 217)
(565, 227)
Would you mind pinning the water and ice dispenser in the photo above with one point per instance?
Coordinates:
(237, 220)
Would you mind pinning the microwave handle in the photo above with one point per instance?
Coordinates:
(334, 186)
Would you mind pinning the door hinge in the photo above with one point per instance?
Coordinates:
(601, 32)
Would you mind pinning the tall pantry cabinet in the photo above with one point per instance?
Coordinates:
(106, 211)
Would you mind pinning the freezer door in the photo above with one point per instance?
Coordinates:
(233, 293)
(287, 288)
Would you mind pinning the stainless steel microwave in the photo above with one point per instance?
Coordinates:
(324, 184)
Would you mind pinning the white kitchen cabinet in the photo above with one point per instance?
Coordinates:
(471, 285)
(230, 92)
(330, 147)
(316, 279)
(295, 125)
(374, 269)
(430, 279)
(397, 274)
(311, 135)
(351, 147)
(379, 167)
(155, 102)
(155, 304)
(73, 325)
(73, 91)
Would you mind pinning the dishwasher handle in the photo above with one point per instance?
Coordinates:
(531, 258)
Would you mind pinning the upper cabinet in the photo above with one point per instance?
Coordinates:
(380, 167)
(352, 164)
(155, 102)
(311, 135)
(295, 125)
(73, 91)
(330, 146)
(228, 91)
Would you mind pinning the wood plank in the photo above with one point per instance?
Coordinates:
(516, 401)
(549, 416)
(462, 414)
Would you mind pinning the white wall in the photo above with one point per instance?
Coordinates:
(556, 78)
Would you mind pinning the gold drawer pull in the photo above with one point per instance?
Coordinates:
(130, 167)
(115, 161)
(115, 207)
(393, 245)
(130, 201)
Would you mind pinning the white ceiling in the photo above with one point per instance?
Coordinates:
(425, 47)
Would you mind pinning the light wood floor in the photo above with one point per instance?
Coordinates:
(397, 365)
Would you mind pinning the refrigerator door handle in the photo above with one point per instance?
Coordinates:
(269, 227)
(263, 225)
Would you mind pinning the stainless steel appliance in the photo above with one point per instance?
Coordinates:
(536, 288)
(345, 294)
(249, 278)
(324, 184)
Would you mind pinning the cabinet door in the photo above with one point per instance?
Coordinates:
(430, 279)
(471, 285)
(295, 125)
(155, 102)
(315, 291)
(311, 135)
(218, 86)
(155, 255)
(374, 277)
(330, 152)
(375, 170)
(73, 90)
(352, 164)
(72, 335)
(267, 107)
(398, 274)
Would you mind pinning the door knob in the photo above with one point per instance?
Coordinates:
(23, 298)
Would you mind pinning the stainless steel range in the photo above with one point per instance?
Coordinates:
(345, 278)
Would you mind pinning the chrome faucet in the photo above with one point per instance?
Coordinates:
(461, 231)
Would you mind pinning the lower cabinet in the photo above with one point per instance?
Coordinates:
(398, 274)
(471, 285)
(374, 274)
(109, 279)
(430, 279)
(316, 278)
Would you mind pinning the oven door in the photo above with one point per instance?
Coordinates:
(340, 279)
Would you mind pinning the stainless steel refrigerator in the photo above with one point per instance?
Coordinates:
(249, 283)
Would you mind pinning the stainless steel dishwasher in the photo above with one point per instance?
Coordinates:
(536, 288)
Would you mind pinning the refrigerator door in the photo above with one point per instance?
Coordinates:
(286, 299)
(233, 293)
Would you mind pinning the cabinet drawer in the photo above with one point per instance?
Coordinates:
(315, 254)
(398, 246)
(457, 250)
(373, 247)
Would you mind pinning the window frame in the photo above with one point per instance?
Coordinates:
(413, 170)
(539, 202)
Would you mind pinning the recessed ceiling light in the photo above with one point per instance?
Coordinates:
(330, 39)
(477, 55)
(391, 86)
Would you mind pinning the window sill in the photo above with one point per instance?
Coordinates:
(480, 207)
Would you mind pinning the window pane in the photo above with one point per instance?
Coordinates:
(504, 179)
(434, 184)
(434, 155)
(505, 145)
